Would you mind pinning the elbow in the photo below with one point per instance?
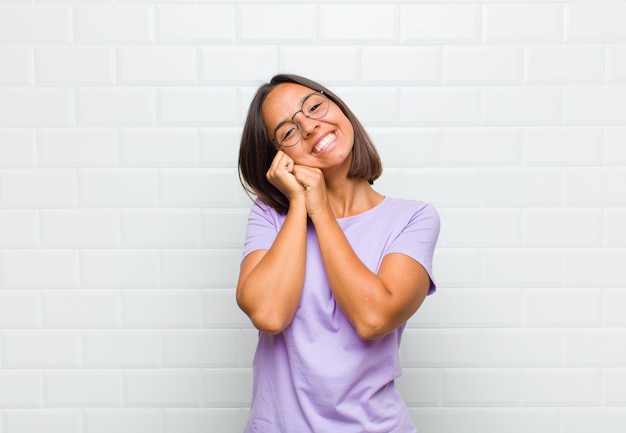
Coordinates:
(372, 330)
(268, 324)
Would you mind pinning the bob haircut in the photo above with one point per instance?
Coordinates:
(256, 151)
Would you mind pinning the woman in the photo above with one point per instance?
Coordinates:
(331, 269)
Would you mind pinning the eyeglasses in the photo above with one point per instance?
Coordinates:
(289, 132)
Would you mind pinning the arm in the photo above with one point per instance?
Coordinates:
(375, 304)
(270, 281)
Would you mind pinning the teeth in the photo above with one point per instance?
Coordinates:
(325, 142)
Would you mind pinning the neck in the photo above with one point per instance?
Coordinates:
(348, 197)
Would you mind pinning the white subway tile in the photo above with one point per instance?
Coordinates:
(407, 147)
(197, 106)
(18, 66)
(602, 105)
(477, 387)
(75, 65)
(121, 348)
(564, 386)
(440, 106)
(512, 267)
(144, 65)
(594, 347)
(614, 227)
(83, 388)
(192, 420)
(39, 269)
(219, 147)
(378, 106)
(411, 64)
(562, 146)
(521, 347)
(203, 268)
(120, 269)
(228, 387)
(43, 420)
(441, 348)
(556, 307)
(527, 105)
(480, 227)
(614, 306)
(593, 267)
(562, 227)
(594, 186)
(494, 146)
(280, 23)
(122, 420)
(441, 187)
(161, 228)
(118, 187)
(165, 309)
(482, 64)
(18, 148)
(22, 106)
(616, 63)
(224, 228)
(77, 147)
(439, 23)
(521, 187)
(19, 229)
(20, 309)
(196, 23)
(523, 22)
(201, 188)
(116, 106)
(447, 419)
(128, 24)
(595, 22)
(614, 149)
(38, 188)
(377, 23)
(520, 420)
(20, 388)
(81, 309)
(159, 147)
(164, 388)
(223, 63)
(79, 228)
(345, 61)
(35, 24)
(420, 387)
(613, 385)
(584, 419)
(43, 349)
(221, 310)
(483, 308)
(205, 348)
(457, 267)
(560, 64)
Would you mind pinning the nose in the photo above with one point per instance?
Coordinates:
(307, 125)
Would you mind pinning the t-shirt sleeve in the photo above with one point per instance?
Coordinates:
(418, 239)
(261, 230)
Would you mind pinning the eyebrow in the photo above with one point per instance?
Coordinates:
(304, 98)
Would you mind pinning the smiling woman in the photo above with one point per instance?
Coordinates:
(331, 269)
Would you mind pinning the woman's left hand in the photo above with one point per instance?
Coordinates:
(312, 179)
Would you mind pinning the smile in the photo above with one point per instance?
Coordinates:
(324, 143)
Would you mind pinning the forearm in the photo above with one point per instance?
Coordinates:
(360, 293)
(269, 292)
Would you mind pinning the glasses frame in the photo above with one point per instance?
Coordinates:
(301, 110)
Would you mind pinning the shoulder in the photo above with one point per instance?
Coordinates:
(415, 208)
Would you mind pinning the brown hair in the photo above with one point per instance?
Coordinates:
(256, 151)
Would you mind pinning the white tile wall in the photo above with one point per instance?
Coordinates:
(122, 218)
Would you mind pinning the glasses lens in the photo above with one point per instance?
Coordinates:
(315, 106)
(288, 134)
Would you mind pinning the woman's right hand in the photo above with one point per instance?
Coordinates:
(280, 174)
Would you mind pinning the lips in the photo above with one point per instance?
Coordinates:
(324, 142)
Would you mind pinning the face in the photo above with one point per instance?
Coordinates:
(324, 143)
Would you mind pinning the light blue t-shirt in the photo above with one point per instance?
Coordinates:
(318, 375)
